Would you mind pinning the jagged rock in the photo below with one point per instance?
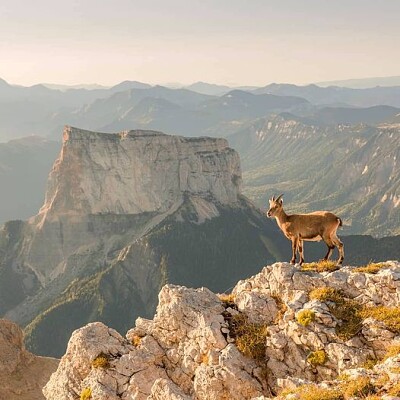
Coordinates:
(22, 374)
(189, 351)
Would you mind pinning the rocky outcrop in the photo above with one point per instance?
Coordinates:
(124, 214)
(22, 374)
(281, 329)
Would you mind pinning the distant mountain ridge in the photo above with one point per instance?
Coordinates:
(352, 170)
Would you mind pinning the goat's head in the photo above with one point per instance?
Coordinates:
(275, 205)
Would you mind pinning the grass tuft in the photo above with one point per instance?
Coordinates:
(359, 387)
(320, 266)
(318, 357)
(371, 268)
(392, 351)
(249, 337)
(101, 361)
(395, 390)
(136, 340)
(227, 298)
(390, 316)
(345, 310)
(86, 394)
(305, 317)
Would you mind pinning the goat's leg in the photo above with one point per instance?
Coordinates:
(301, 251)
(295, 242)
(338, 243)
(329, 253)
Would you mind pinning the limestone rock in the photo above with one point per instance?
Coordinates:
(22, 374)
(191, 350)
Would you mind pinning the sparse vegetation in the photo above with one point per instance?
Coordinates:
(318, 357)
(320, 266)
(227, 298)
(369, 363)
(395, 390)
(371, 268)
(392, 351)
(136, 340)
(249, 337)
(390, 316)
(314, 392)
(345, 310)
(326, 294)
(305, 317)
(101, 361)
(86, 394)
(359, 387)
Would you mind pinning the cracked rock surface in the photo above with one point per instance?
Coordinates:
(188, 351)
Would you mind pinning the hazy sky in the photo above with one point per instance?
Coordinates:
(252, 42)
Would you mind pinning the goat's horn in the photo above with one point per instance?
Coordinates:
(279, 197)
(273, 198)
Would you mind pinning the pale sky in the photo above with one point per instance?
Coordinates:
(235, 42)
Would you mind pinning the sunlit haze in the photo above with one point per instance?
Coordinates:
(234, 42)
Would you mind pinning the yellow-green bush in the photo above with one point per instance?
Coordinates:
(101, 361)
(305, 317)
(318, 357)
(250, 338)
(86, 394)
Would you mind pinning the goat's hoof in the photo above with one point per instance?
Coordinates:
(293, 262)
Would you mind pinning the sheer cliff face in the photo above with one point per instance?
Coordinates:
(138, 171)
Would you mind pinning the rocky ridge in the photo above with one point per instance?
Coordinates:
(22, 374)
(282, 332)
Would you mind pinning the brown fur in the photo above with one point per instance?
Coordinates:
(315, 226)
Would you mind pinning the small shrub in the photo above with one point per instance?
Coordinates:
(205, 359)
(249, 337)
(136, 340)
(373, 397)
(371, 268)
(305, 317)
(318, 357)
(320, 266)
(101, 361)
(227, 298)
(86, 394)
(390, 316)
(359, 387)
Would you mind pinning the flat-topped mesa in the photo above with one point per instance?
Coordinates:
(138, 171)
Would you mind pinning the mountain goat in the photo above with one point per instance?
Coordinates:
(315, 226)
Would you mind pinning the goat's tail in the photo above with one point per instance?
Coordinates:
(340, 221)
